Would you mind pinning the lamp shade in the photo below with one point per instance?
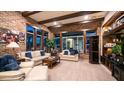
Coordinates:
(12, 45)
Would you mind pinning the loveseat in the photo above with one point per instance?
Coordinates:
(22, 71)
(67, 55)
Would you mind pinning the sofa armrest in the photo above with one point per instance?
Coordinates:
(12, 75)
(60, 54)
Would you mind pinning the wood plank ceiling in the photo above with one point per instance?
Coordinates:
(58, 21)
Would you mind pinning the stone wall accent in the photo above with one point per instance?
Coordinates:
(12, 20)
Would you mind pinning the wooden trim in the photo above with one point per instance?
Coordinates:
(42, 39)
(81, 13)
(28, 13)
(60, 41)
(35, 44)
(84, 41)
(113, 18)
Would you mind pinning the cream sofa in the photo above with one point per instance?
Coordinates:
(69, 57)
(36, 57)
(27, 72)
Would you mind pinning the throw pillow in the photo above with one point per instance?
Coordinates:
(42, 53)
(72, 53)
(65, 52)
(28, 54)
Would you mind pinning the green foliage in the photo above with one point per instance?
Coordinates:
(117, 49)
(50, 43)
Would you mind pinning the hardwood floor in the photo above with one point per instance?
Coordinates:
(79, 71)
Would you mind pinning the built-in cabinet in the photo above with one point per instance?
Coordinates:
(114, 35)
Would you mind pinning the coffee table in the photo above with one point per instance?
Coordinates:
(50, 61)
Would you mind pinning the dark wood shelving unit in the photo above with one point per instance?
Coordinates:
(106, 59)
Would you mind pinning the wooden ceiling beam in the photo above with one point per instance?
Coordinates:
(77, 27)
(81, 13)
(113, 18)
(79, 22)
(28, 13)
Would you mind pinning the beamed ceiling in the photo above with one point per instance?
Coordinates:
(68, 20)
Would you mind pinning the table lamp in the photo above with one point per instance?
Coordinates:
(13, 45)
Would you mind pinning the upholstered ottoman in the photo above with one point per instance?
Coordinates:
(38, 73)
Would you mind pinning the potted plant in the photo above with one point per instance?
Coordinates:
(50, 43)
(117, 51)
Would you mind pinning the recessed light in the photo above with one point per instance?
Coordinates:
(55, 23)
(87, 21)
(85, 29)
(86, 17)
(64, 31)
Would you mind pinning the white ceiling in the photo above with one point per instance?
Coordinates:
(50, 14)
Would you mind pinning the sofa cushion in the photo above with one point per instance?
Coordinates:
(26, 70)
(35, 54)
(28, 54)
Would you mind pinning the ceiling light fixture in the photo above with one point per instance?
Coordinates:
(86, 17)
(87, 21)
(85, 29)
(57, 24)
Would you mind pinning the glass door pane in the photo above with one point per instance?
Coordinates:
(80, 44)
(38, 42)
(64, 43)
